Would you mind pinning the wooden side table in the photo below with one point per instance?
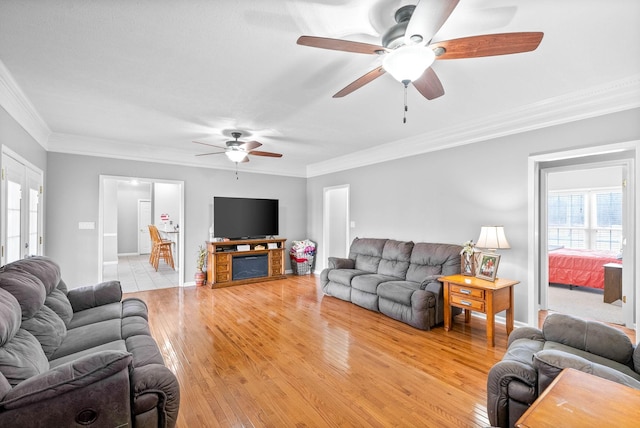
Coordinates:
(578, 399)
(475, 294)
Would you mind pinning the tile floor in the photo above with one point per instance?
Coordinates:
(136, 274)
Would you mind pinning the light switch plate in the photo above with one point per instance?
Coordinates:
(88, 225)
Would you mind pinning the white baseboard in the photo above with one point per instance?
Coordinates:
(500, 320)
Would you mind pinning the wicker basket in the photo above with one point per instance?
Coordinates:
(301, 267)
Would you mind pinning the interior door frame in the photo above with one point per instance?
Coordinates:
(180, 220)
(30, 172)
(537, 262)
(327, 218)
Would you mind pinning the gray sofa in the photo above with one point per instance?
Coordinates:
(535, 357)
(77, 357)
(396, 278)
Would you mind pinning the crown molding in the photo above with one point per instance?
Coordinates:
(612, 97)
(16, 103)
(117, 149)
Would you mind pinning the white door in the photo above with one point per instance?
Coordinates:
(21, 209)
(144, 220)
(336, 222)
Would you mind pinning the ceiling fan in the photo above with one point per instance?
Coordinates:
(408, 52)
(238, 151)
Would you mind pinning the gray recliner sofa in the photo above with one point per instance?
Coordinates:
(80, 357)
(396, 278)
(535, 357)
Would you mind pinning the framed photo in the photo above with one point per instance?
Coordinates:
(488, 267)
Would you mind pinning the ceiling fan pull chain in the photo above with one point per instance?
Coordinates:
(236, 171)
(404, 118)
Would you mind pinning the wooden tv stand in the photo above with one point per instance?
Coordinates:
(220, 261)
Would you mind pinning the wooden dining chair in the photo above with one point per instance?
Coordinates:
(160, 249)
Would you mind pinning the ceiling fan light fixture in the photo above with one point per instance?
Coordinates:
(236, 155)
(407, 63)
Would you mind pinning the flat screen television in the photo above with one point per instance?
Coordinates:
(244, 218)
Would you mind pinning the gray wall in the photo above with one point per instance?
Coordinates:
(73, 197)
(445, 196)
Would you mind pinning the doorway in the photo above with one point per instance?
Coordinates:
(21, 213)
(624, 156)
(127, 206)
(336, 221)
(584, 230)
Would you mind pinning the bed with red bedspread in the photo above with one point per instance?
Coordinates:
(579, 267)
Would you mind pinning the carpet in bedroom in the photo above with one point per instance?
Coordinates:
(584, 303)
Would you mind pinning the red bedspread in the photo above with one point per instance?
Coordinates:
(579, 267)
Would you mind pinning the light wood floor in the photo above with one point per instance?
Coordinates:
(280, 354)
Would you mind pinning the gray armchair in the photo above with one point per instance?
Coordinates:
(535, 357)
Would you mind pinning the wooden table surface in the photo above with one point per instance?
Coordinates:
(578, 399)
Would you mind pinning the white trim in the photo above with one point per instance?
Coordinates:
(326, 209)
(619, 95)
(616, 96)
(118, 149)
(16, 103)
(181, 218)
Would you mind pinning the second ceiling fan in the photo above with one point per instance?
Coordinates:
(408, 51)
(238, 151)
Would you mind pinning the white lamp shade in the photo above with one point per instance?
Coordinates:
(408, 63)
(236, 155)
(493, 238)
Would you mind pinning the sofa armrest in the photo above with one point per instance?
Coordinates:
(155, 387)
(73, 375)
(509, 381)
(95, 295)
(551, 362)
(530, 333)
(341, 263)
(434, 286)
(92, 390)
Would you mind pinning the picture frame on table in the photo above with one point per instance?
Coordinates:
(488, 266)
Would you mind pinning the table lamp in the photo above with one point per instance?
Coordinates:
(492, 238)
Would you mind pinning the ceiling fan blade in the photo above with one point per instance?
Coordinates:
(250, 145)
(207, 154)
(488, 45)
(360, 82)
(210, 145)
(426, 20)
(340, 45)
(267, 154)
(429, 85)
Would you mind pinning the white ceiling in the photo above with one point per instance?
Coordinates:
(142, 79)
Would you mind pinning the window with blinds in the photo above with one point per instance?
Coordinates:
(590, 219)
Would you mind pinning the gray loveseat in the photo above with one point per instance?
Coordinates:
(396, 278)
(535, 357)
(80, 357)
